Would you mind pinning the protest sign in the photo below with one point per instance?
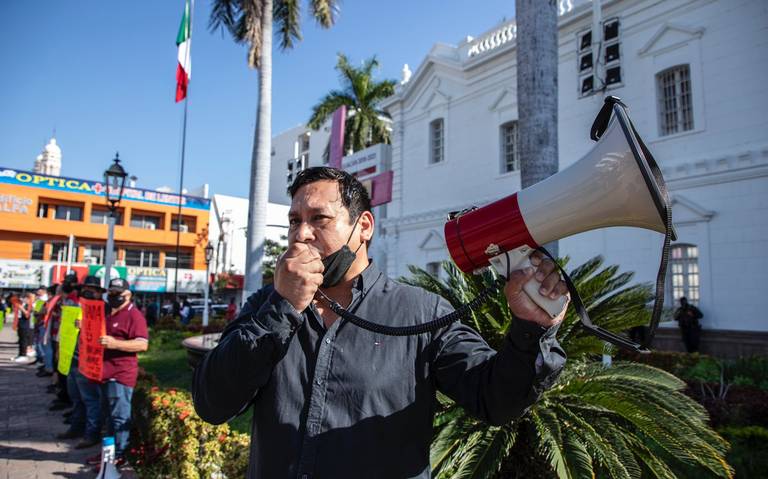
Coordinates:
(92, 327)
(67, 337)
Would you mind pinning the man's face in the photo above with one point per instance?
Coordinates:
(90, 292)
(318, 218)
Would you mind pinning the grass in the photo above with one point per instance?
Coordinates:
(167, 360)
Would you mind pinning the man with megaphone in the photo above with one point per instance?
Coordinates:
(334, 400)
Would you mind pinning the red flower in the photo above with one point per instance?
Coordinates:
(166, 402)
(183, 415)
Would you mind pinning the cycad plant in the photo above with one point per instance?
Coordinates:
(628, 420)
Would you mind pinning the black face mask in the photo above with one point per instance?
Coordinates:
(338, 263)
(67, 288)
(115, 300)
(88, 294)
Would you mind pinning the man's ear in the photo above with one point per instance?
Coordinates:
(366, 226)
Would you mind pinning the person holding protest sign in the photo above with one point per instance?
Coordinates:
(126, 335)
(67, 298)
(85, 420)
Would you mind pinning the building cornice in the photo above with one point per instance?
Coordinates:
(745, 165)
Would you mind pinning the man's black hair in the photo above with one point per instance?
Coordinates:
(354, 196)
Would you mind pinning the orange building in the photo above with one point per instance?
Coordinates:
(41, 216)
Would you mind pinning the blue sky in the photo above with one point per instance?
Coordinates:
(102, 74)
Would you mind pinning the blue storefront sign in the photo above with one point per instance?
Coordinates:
(96, 188)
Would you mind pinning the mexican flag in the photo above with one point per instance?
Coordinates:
(184, 42)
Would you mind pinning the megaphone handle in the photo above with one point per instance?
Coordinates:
(517, 259)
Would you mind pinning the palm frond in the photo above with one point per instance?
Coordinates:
(223, 14)
(324, 12)
(243, 20)
(330, 103)
(628, 421)
(485, 452)
(287, 15)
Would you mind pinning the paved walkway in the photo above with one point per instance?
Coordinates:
(28, 444)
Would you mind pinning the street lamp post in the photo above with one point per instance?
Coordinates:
(208, 257)
(114, 182)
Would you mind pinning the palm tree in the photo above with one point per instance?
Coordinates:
(250, 23)
(626, 421)
(537, 92)
(361, 95)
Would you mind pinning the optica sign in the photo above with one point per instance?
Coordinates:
(74, 185)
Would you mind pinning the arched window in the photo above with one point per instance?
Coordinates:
(683, 276)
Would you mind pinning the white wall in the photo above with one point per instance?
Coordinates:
(717, 173)
(232, 250)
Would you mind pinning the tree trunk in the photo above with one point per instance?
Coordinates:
(537, 91)
(260, 162)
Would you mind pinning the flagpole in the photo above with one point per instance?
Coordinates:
(181, 172)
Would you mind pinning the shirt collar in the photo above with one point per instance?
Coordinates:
(367, 279)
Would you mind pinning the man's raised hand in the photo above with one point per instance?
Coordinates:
(298, 275)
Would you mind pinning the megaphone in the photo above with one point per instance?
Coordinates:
(616, 184)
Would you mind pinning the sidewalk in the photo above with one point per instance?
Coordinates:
(28, 444)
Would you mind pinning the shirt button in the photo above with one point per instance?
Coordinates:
(318, 381)
(327, 340)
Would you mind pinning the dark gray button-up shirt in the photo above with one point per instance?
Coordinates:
(345, 402)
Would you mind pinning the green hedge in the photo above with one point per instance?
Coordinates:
(749, 450)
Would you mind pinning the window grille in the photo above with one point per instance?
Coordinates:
(674, 94)
(510, 160)
(436, 141)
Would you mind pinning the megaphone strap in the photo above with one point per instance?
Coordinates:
(586, 322)
(615, 105)
(441, 322)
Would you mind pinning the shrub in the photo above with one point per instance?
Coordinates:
(749, 450)
(171, 440)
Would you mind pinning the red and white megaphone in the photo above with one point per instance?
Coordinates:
(616, 184)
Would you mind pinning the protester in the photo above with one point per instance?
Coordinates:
(330, 399)
(85, 420)
(126, 335)
(38, 331)
(24, 323)
(46, 369)
(687, 317)
(67, 297)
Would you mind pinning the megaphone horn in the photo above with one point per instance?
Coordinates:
(613, 185)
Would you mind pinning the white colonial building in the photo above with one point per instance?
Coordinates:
(693, 73)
